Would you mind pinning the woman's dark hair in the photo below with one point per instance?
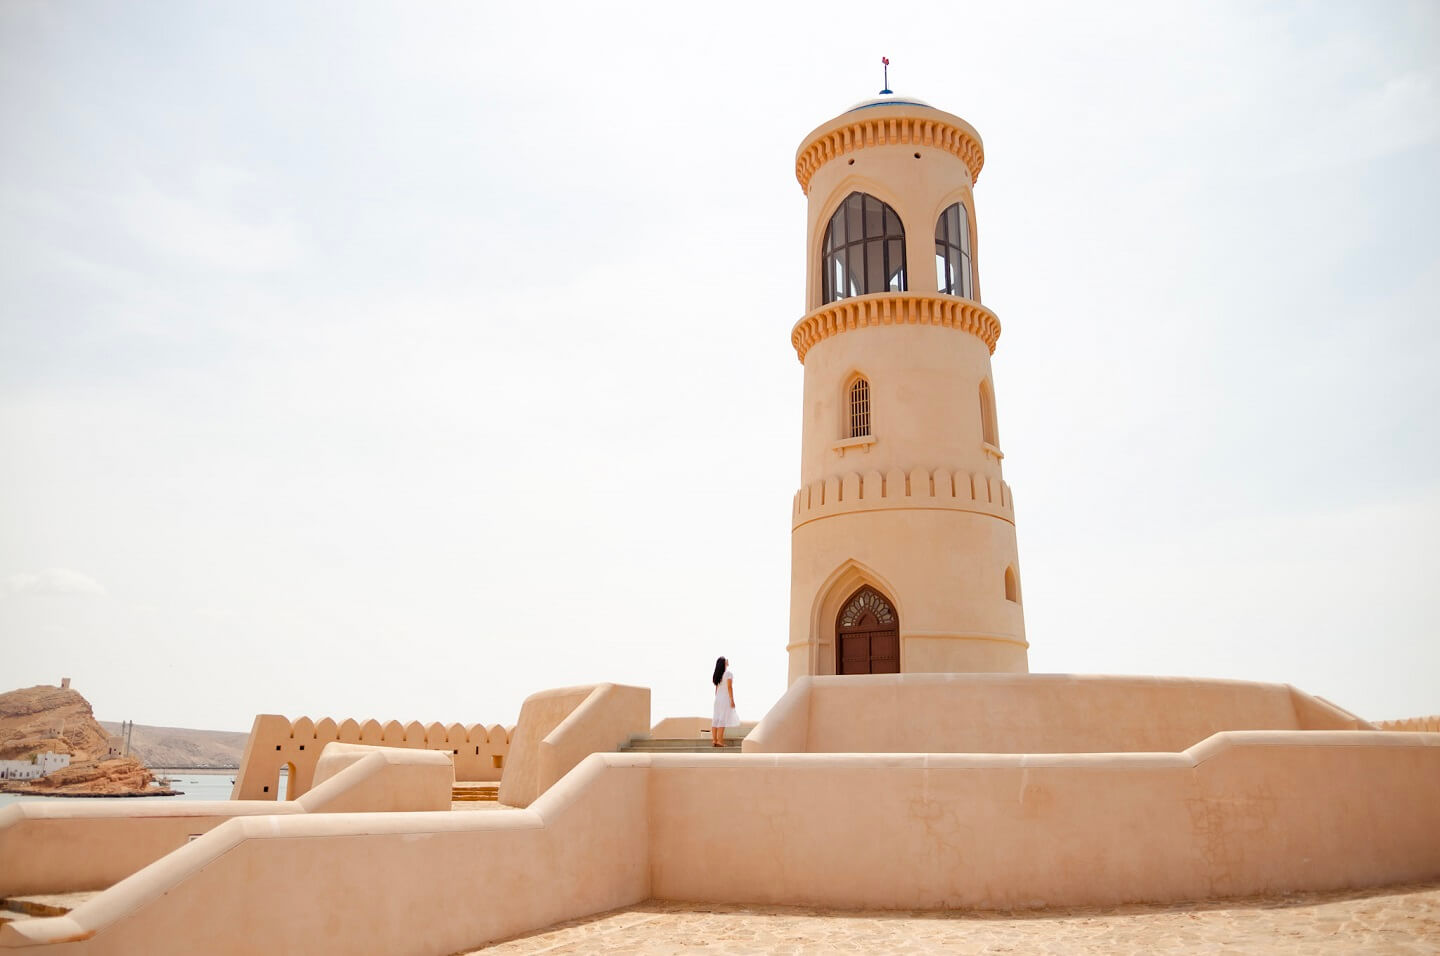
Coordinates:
(720, 663)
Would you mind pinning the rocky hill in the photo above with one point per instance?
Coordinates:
(179, 748)
(37, 719)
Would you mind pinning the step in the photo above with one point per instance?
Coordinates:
(649, 745)
(681, 741)
(473, 793)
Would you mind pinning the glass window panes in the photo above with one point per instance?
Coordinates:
(863, 250)
(954, 270)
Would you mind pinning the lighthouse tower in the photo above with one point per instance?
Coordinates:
(903, 555)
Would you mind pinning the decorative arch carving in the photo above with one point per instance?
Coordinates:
(867, 634)
(831, 597)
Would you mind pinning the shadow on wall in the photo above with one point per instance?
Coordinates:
(477, 751)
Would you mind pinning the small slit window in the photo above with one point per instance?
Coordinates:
(863, 251)
(988, 432)
(954, 270)
(1012, 586)
(859, 408)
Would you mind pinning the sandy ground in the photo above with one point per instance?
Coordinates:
(1403, 919)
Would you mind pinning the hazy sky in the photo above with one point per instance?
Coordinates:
(401, 360)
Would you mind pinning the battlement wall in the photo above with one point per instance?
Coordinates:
(478, 751)
(1429, 725)
(943, 488)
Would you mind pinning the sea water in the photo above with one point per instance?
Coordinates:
(193, 786)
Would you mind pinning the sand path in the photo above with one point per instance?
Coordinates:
(1403, 919)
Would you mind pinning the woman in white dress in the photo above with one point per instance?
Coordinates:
(725, 714)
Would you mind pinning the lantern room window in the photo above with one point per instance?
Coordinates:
(954, 269)
(863, 251)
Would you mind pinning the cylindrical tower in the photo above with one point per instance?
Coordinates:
(903, 555)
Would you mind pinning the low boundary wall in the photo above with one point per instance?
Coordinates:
(66, 846)
(1242, 813)
(1029, 714)
(559, 728)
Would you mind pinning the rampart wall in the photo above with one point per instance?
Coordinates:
(1028, 714)
(477, 751)
(1262, 812)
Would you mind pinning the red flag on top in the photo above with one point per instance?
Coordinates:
(885, 60)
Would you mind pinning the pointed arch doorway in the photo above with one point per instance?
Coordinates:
(867, 635)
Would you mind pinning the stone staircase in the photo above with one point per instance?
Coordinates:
(468, 791)
(33, 905)
(645, 744)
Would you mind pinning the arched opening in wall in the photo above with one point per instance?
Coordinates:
(285, 789)
(867, 635)
(863, 250)
(858, 395)
(954, 266)
(1012, 586)
(988, 432)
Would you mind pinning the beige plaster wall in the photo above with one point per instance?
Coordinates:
(1242, 813)
(558, 728)
(920, 509)
(477, 751)
(396, 883)
(63, 846)
(944, 570)
(1028, 713)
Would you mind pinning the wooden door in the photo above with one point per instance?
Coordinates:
(867, 635)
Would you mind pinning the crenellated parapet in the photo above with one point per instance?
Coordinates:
(853, 131)
(1413, 725)
(477, 750)
(925, 488)
(891, 308)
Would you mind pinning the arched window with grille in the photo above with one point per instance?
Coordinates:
(863, 251)
(954, 270)
(859, 408)
(988, 432)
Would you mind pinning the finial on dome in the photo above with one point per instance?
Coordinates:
(885, 61)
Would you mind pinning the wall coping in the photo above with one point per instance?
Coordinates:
(895, 308)
(904, 124)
